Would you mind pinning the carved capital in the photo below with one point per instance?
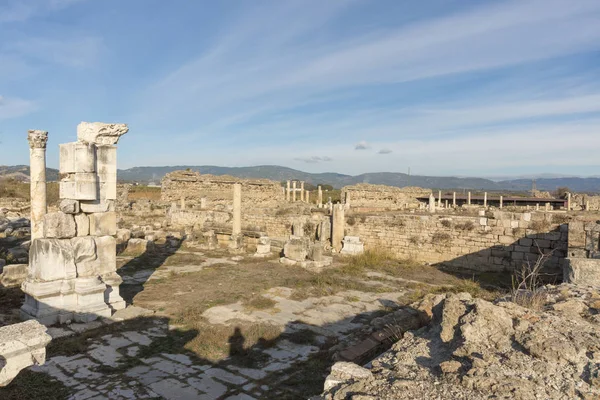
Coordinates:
(37, 139)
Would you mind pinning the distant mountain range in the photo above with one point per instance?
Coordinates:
(277, 173)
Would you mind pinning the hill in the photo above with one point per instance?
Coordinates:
(278, 173)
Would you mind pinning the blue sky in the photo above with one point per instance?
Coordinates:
(445, 87)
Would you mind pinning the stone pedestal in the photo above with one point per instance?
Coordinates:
(263, 248)
(352, 246)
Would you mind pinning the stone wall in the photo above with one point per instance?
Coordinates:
(369, 196)
(581, 201)
(192, 186)
(498, 241)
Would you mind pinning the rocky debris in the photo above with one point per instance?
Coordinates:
(12, 275)
(475, 349)
(21, 345)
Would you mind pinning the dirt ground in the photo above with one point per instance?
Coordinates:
(273, 327)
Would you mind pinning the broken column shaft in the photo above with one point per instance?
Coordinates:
(37, 172)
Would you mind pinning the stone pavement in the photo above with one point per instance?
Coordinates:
(111, 369)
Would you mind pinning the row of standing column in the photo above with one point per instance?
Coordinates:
(291, 191)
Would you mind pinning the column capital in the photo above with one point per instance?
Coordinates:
(37, 139)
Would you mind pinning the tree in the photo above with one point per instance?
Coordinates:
(561, 192)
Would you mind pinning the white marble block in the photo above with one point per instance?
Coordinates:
(77, 157)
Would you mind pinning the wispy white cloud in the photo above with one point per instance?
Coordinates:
(15, 107)
(362, 145)
(23, 10)
(385, 151)
(69, 52)
(313, 159)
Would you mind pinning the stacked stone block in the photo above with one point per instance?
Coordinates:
(72, 271)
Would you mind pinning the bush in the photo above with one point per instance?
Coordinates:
(351, 221)
(540, 226)
(441, 238)
(446, 223)
(465, 226)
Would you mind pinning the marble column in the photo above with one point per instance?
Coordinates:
(302, 191)
(287, 191)
(37, 172)
(337, 227)
(294, 191)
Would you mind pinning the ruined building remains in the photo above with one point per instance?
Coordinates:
(72, 263)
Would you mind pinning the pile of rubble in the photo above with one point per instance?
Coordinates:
(475, 349)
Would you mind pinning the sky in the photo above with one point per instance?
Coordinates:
(443, 87)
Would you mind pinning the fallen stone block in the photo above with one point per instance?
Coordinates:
(13, 275)
(137, 246)
(21, 345)
(582, 271)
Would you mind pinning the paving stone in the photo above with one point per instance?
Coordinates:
(251, 373)
(133, 351)
(137, 371)
(80, 328)
(173, 389)
(249, 386)
(80, 368)
(152, 376)
(241, 396)
(56, 373)
(209, 386)
(116, 341)
(174, 368)
(138, 338)
(84, 394)
(106, 355)
(56, 332)
(225, 376)
(180, 358)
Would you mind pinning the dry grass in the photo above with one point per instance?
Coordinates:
(540, 225)
(259, 303)
(441, 238)
(20, 190)
(527, 282)
(142, 192)
(465, 226)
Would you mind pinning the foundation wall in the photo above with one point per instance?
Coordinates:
(499, 241)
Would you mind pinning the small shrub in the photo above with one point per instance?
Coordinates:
(446, 223)
(465, 226)
(363, 219)
(260, 303)
(440, 238)
(309, 229)
(539, 226)
(398, 222)
(414, 240)
(560, 218)
(351, 221)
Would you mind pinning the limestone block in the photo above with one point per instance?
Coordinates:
(90, 300)
(82, 224)
(296, 249)
(582, 271)
(51, 259)
(103, 224)
(97, 206)
(79, 186)
(352, 246)
(106, 251)
(111, 294)
(100, 133)
(137, 246)
(84, 252)
(264, 246)
(49, 302)
(13, 275)
(59, 225)
(21, 345)
(69, 206)
(316, 252)
(77, 157)
(107, 163)
(123, 235)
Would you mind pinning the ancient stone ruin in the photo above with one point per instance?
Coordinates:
(72, 266)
